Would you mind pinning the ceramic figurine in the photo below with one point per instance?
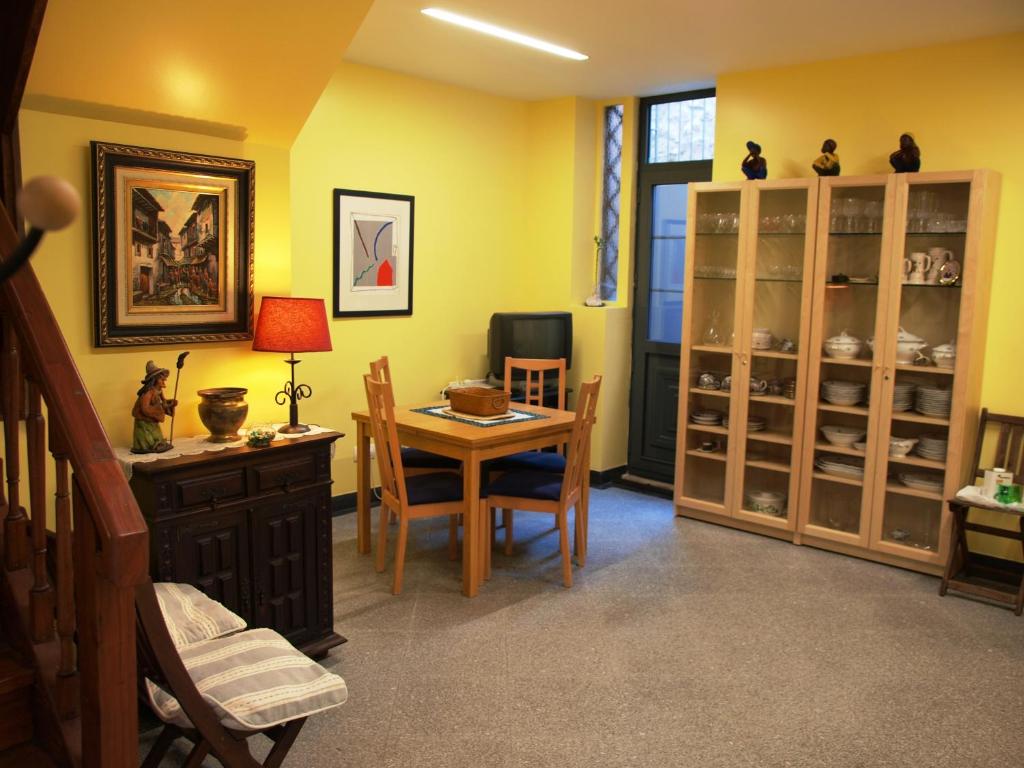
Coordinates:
(754, 166)
(827, 163)
(906, 159)
(150, 410)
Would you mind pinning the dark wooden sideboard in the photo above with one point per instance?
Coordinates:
(250, 527)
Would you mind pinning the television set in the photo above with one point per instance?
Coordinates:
(546, 335)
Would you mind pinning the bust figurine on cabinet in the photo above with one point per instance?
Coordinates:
(827, 163)
(906, 159)
(754, 166)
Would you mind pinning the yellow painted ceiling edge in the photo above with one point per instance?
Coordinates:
(246, 70)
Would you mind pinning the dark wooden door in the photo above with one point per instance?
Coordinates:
(212, 552)
(284, 565)
(657, 316)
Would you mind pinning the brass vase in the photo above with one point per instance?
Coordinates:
(222, 411)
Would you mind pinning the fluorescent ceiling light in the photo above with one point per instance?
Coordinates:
(504, 34)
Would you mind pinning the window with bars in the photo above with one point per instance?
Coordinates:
(682, 131)
(608, 277)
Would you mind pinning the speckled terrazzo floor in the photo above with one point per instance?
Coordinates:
(681, 644)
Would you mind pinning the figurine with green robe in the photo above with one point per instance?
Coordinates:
(150, 410)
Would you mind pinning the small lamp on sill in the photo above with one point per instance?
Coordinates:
(292, 325)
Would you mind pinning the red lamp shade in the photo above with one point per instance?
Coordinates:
(289, 324)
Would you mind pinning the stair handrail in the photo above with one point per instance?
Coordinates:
(123, 534)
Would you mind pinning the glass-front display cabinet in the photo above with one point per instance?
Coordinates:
(850, 296)
(938, 296)
(745, 331)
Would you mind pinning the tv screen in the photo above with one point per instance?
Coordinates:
(546, 335)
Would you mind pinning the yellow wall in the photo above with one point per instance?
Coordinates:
(59, 145)
(462, 155)
(962, 103)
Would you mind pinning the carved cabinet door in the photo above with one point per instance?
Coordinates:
(284, 565)
(211, 551)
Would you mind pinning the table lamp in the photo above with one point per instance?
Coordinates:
(292, 325)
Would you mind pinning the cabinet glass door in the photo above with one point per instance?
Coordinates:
(776, 326)
(710, 321)
(922, 413)
(850, 303)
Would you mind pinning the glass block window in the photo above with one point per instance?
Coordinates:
(608, 280)
(682, 131)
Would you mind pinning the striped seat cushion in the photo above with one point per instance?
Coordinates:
(191, 616)
(252, 680)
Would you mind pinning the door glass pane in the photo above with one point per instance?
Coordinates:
(932, 273)
(713, 308)
(775, 345)
(668, 249)
(851, 303)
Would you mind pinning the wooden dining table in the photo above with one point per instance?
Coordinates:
(472, 444)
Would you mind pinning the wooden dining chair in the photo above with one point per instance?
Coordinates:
(534, 371)
(553, 493)
(411, 498)
(980, 575)
(220, 691)
(414, 460)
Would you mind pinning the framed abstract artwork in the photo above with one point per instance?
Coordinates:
(373, 239)
(173, 246)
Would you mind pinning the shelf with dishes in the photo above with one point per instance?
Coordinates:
(713, 348)
(855, 410)
(861, 363)
(709, 428)
(709, 391)
(904, 490)
(918, 418)
(774, 354)
(818, 475)
(772, 466)
(776, 438)
(715, 455)
(843, 449)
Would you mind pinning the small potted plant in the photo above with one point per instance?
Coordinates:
(595, 300)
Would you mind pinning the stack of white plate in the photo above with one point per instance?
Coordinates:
(842, 392)
(706, 416)
(934, 401)
(903, 396)
(754, 423)
(842, 466)
(922, 481)
(932, 447)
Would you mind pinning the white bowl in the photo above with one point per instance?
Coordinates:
(842, 435)
(901, 446)
(860, 446)
(767, 502)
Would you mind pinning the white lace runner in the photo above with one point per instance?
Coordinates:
(192, 446)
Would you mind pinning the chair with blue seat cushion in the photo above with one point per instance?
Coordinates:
(414, 460)
(534, 371)
(410, 498)
(534, 491)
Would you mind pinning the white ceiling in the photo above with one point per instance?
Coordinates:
(646, 47)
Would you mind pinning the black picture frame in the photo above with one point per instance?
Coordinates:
(172, 246)
(374, 235)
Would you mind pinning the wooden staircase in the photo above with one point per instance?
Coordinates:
(16, 682)
(73, 544)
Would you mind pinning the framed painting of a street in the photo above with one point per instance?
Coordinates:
(373, 239)
(173, 246)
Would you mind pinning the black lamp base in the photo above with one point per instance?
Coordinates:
(293, 429)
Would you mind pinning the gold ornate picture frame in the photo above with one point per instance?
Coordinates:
(173, 246)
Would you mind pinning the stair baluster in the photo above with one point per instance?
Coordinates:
(15, 524)
(41, 598)
(67, 669)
